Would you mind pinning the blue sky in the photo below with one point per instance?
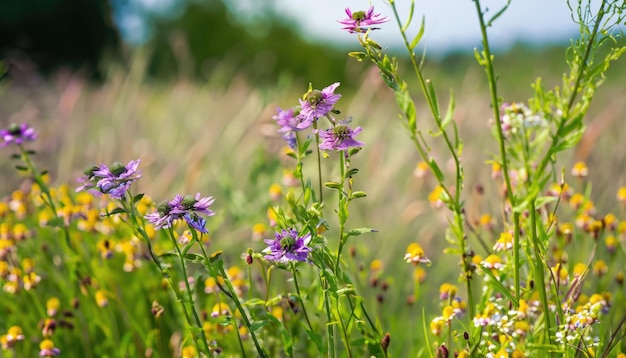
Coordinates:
(450, 24)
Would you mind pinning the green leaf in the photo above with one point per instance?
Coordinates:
(434, 167)
(449, 112)
(193, 257)
(360, 231)
(419, 35)
(55, 222)
(21, 168)
(352, 172)
(138, 197)
(358, 194)
(332, 185)
(115, 212)
(258, 325)
(498, 286)
(317, 340)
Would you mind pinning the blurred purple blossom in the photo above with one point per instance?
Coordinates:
(17, 134)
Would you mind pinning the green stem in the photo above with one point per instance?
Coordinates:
(342, 209)
(493, 91)
(319, 162)
(295, 281)
(230, 293)
(539, 262)
(330, 330)
(198, 331)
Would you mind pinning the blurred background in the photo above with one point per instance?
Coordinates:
(190, 87)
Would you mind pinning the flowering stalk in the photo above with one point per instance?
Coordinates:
(198, 332)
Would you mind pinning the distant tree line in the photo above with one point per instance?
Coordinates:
(80, 35)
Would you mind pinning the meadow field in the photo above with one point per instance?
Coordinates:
(217, 136)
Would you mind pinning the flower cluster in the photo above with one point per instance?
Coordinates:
(114, 181)
(517, 117)
(316, 104)
(185, 208)
(17, 134)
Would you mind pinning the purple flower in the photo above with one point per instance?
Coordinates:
(340, 137)
(317, 104)
(114, 181)
(183, 208)
(289, 123)
(360, 21)
(17, 134)
(288, 246)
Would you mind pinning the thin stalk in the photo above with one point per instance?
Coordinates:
(319, 161)
(340, 210)
(539, 269)
(330, 330)
(231, 294)
(493, 91)
(295, 281)
(199, 331)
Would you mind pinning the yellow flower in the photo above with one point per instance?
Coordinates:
(576, 201)
(448, 313)
(47, 349)
(15, 334)
(600, 268)
(188, 352)
(52, 306)
(275, 192)
(496, 170)
(436, 325)
(611, 243)
(421, 169)
(447, 291)
(101, 298)
(415, 254)
(502, 353)
(419, 274)
(505, 242)
(376, 266)
(580, 170)
(258, 231)
(493, 262)
(435, 197)
(486, 221)
(220, 309)
(621, 196)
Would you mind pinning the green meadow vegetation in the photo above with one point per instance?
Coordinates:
(487, 216)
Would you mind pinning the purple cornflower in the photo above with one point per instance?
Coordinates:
(317, 104)
(114, 181)
(288, 246)
(340, 137)
(289, 123)
(183, 208)
(360, 21)
(17, 134)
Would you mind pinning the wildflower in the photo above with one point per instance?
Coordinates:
(621, 196)
(580, 170)
(340, 137)
(288, 246)
(114, 181)
(419, 274)
(421, 169)
(415, 254)
(220, 309)
(447, 290)
(492, 262)
(186, 208)
(156, 309)
(52, 306)
(317, 104)
(17, 134)
(290, 122)
(14, 334)
(258, 231)
(47, 349)
(609, 221)
(486, 221)
(101, 298)
(611, 243)
(188, 352)
(361, 21)
(435, 197)
(275, 192)
(505, 242)
(436, 325)
(600, 268)
(516, 116)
